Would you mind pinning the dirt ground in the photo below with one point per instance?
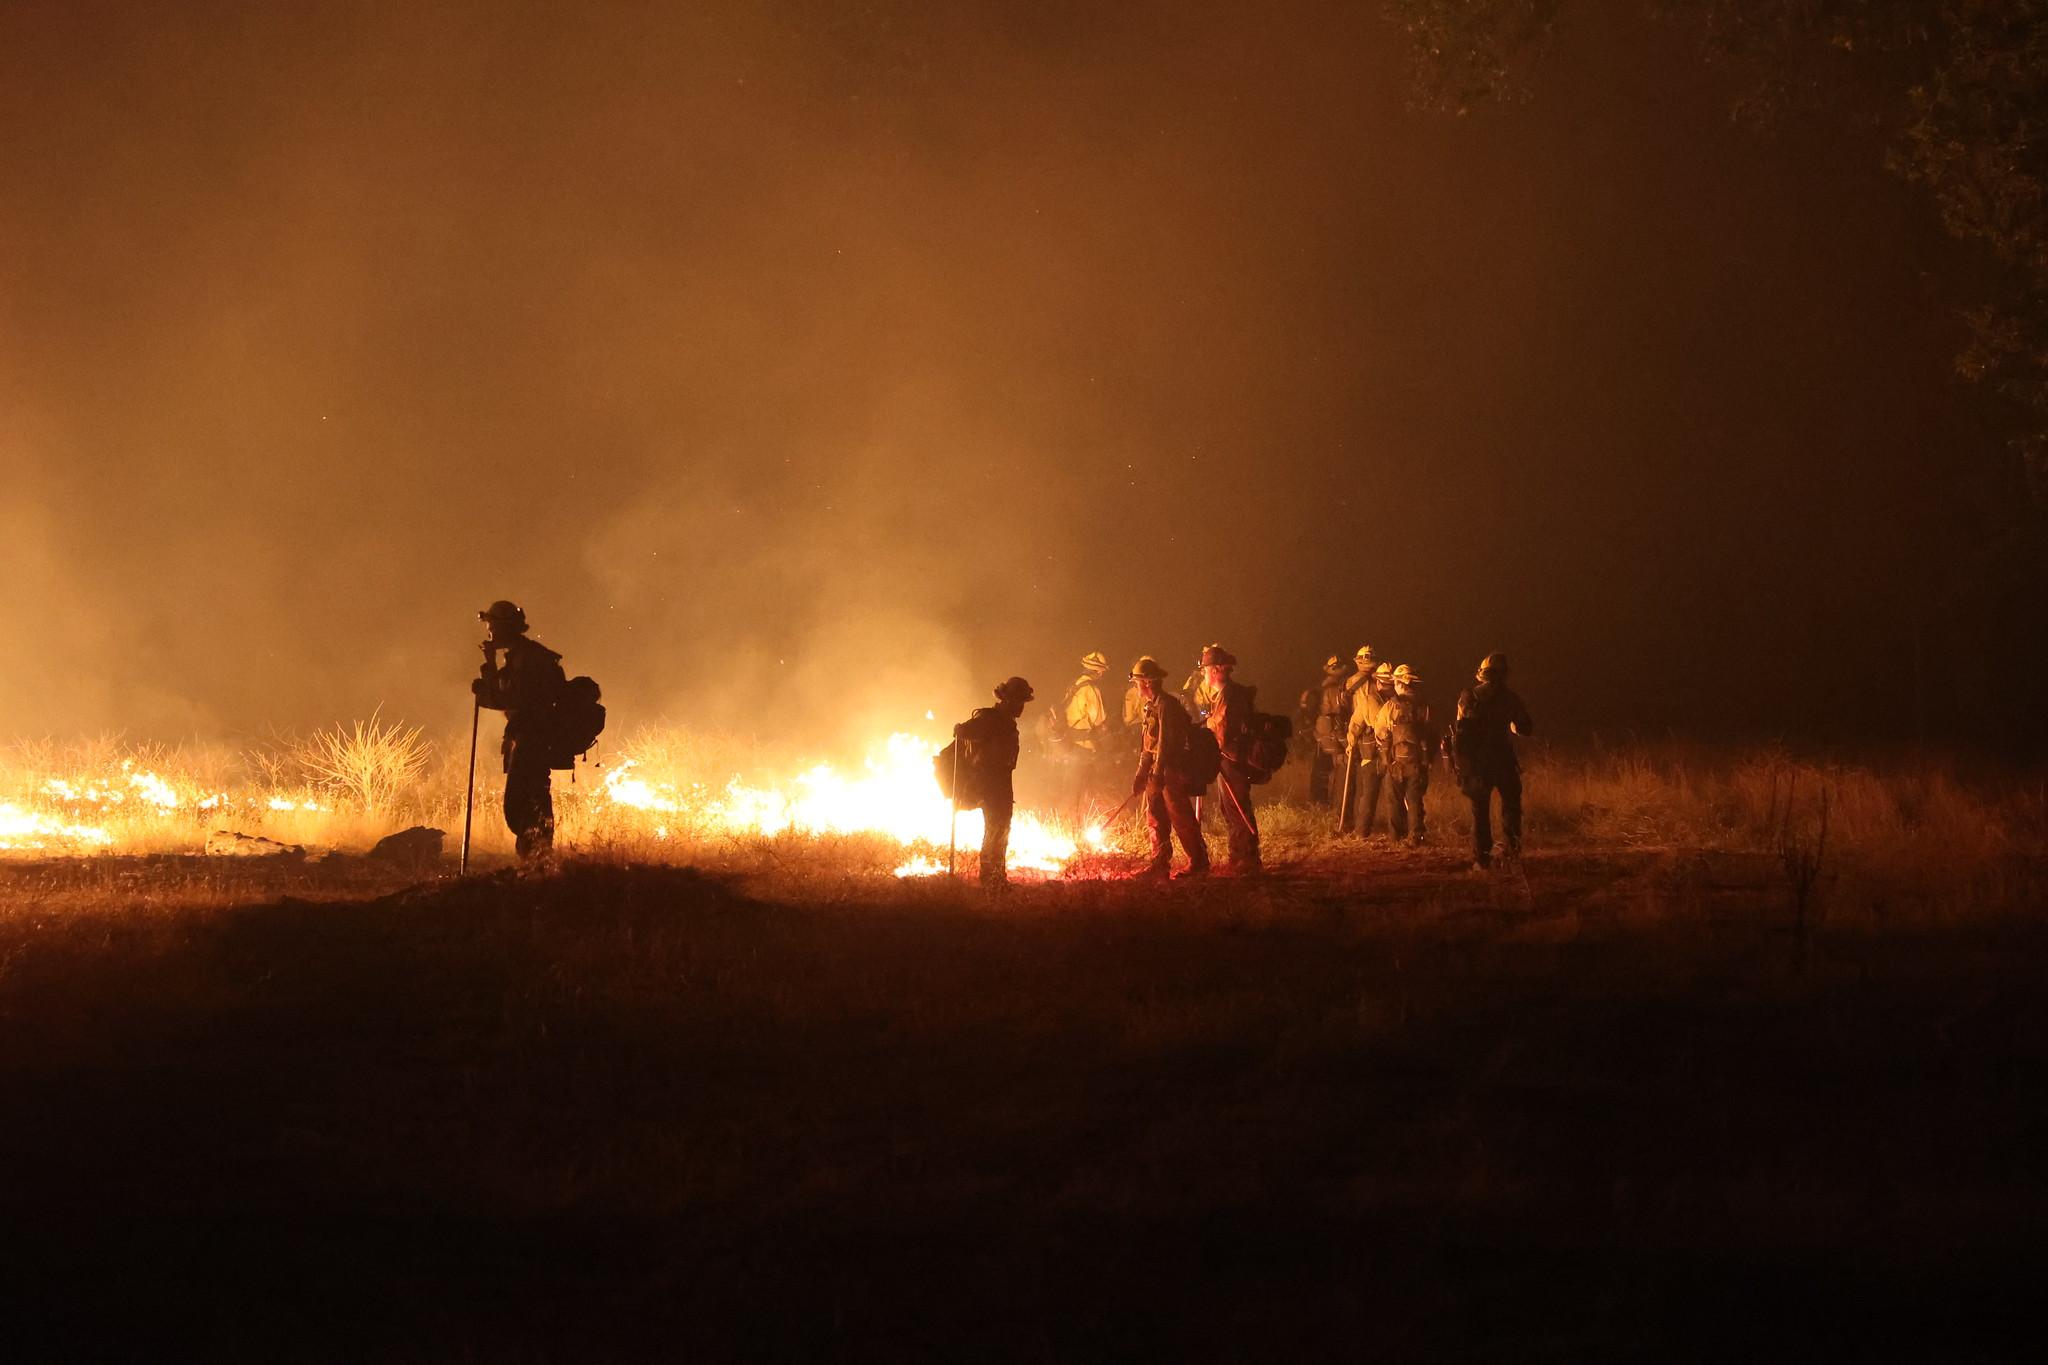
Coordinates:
(1616, 1103)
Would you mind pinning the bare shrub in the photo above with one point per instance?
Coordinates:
(370, 762)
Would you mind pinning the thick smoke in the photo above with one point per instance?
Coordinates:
(801, 367)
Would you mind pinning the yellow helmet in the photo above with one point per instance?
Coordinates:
(1385, 670)
(1095, 661)
(1366, 655)
(1148, 667)
(1405, 674)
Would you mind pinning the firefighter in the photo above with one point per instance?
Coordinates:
(1407, 744)
(1362, 665)
(1361, 747)
(1134, 722)
(1230, 720)
(1198, 690)
(1161, 777)
(1328, 705)
(524, 686)
(1084, 728)
(988, 744)
(1483, 757)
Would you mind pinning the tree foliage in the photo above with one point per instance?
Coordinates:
(1961, 87)
(1467, 52)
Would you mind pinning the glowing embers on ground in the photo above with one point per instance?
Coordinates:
(893, 795)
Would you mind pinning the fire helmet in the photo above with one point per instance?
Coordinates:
(1216, 656)
(1403, 674)
(1014, 689)
(1365, 656)
(1148, 667)
(1493, 667)
(1335, 667)
(1383, 673)
(1095, 661)
(504, 616)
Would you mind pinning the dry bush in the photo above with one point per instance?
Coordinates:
(371, 763)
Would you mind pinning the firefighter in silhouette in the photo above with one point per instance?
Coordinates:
(1230, 720)
(989, 743)
(1483, 756)
(1327, 709)
(1407, 745)
(1162, 775)
(524, 686)
(1375, 688)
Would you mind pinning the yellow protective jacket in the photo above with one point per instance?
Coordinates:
(1085, 717)
(1362, 734)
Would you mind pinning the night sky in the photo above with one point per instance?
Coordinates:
(800, 365)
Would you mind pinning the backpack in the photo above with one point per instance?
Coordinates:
(1266, 747)
(1203, 760)
(575, 720)
(945, 763)
(959, 756)
(1407, 725)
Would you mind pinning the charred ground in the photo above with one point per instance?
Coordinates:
(1618, 1105)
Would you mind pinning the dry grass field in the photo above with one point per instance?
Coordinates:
(1690, 1082)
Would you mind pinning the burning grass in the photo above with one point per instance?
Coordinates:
(669, 795)
(784, 1099)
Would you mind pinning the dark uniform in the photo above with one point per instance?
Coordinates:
(989, 745)
(524, 687)
(1483, 756)
(1407, 740)
(1169, 801)
(1332, 704)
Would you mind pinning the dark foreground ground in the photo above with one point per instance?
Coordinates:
(1617, 1108)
